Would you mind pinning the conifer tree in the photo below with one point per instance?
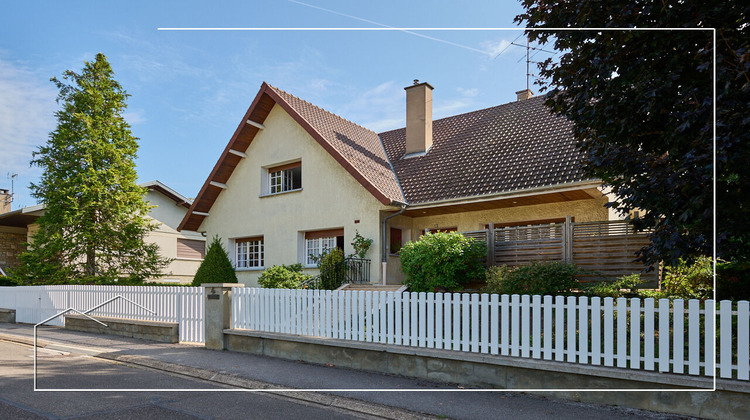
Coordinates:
(95, 219)
(216, 267)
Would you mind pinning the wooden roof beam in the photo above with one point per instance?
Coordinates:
(256, 124)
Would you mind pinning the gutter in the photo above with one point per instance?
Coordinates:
(383, 236)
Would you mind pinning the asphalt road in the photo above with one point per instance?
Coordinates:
(61, 370)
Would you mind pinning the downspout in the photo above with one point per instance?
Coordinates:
(383, 237)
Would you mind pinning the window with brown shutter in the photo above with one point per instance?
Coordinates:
(191, 248)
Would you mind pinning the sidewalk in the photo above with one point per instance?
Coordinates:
(259, 372)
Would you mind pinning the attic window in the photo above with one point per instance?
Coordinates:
(285, 178)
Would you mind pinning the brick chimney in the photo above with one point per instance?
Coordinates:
(418, 117)
(522, 95)
(5, 199)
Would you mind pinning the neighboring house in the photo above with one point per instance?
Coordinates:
(295, 179)
(186, 249)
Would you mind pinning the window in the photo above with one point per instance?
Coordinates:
(396, 241)
(285, 178)
(191, 248)
(249, 252)
(318, 241)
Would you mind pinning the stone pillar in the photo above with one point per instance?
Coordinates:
(217, 317)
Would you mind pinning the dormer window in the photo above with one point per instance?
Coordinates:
(284, 178)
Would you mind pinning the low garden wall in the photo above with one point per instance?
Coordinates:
(165, 332)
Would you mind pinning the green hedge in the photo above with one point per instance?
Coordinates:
(442, 262)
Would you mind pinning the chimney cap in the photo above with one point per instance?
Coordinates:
(416, 83)
(524, 94)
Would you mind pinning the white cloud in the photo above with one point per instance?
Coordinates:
(380, 108)
(27, 106)
(493, 48)
(134, 117)
(468, 93)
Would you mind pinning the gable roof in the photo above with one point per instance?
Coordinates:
(510, 147)
(354, 147)
(515, 146)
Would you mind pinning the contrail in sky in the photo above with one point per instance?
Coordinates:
(483, 52)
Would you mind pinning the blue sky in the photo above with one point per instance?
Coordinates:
(190, 89)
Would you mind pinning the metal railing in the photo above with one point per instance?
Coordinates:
(348, 270)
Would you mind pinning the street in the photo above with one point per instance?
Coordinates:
(62, 370)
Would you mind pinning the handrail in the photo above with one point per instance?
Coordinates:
(348, 270)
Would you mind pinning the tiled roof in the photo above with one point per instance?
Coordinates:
(357, 145)
(510, 147)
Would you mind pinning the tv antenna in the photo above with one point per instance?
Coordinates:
(9, 198)
(528, 56)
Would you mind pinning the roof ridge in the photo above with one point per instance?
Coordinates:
(322, 109)
(476, 110)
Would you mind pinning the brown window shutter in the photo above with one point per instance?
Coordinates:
(191, 248)
(249, 239)
(329, 233)
(284, 167)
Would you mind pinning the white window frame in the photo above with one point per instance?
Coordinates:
(249, 255)
(282, 181)
(315, 246)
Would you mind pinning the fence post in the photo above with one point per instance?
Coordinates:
(567, 240)
(218, 313)
(490, 244)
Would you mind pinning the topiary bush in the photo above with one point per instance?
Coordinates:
(442, 261)
(216, 267)
(537, 278)
(283, 277)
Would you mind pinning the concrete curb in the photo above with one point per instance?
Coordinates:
(318, 398)
(46, 344)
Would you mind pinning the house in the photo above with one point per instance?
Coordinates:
(186, 249)
(295, 178)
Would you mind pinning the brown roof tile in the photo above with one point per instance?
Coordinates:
(510, 147)
(359, 146)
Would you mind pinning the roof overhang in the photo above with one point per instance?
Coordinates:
(173, 195)
(20, 218)
(585, 190)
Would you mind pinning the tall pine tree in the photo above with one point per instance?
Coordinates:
(93, 228)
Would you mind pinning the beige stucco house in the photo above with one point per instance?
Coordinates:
(295, 178)
(185, 249)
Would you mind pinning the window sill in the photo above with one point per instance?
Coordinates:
(250, 269)
(279, 193)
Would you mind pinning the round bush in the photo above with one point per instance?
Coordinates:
(442, 261)
(283, 277)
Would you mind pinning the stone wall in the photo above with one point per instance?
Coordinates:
(11, 245)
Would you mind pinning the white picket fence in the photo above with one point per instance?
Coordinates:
(171, 304)
(663, 335)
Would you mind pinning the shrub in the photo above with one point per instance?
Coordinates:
(330, 276)
(537, 278)
(442, 261)
(614, 289)
(361, 244)
(733, 281)
(283, 277)
(216, 267)
(689, 280)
